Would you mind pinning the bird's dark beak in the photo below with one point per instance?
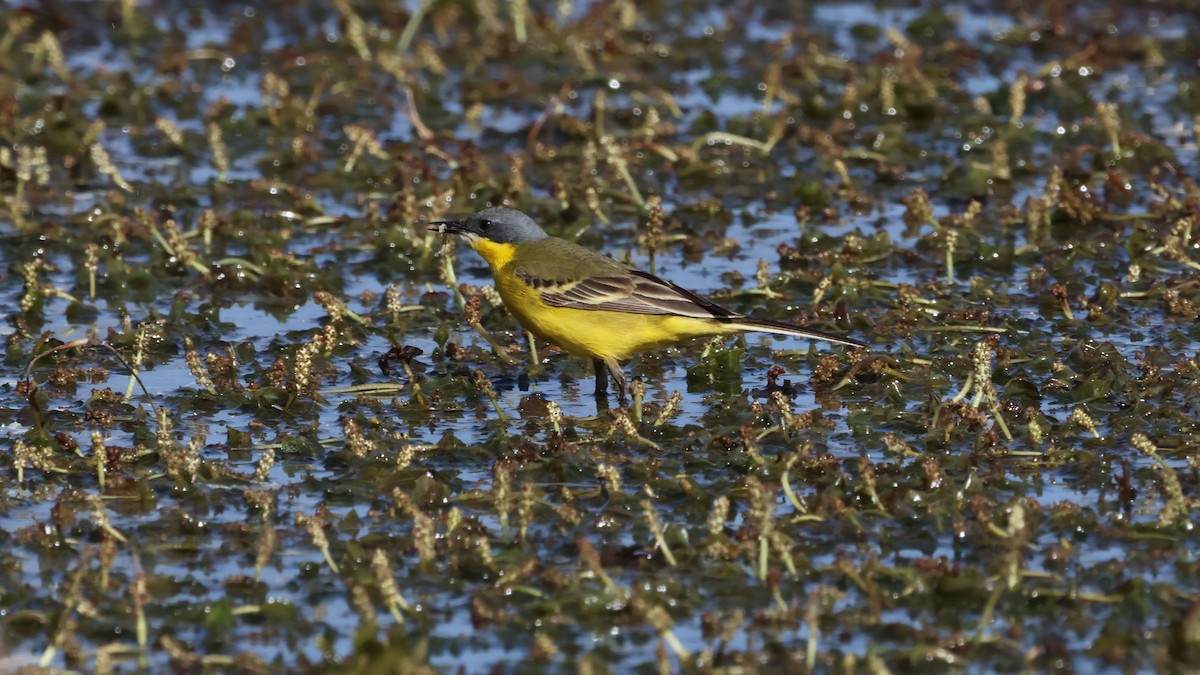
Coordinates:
(447, 227)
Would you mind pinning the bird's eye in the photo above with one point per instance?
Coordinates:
(485, 225)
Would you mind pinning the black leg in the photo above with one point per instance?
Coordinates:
(601, 381)
(618, 378)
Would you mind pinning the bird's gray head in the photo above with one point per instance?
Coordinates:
(504, 226)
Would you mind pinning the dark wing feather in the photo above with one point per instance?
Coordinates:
(631, 291)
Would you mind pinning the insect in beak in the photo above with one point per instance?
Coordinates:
(447, 227)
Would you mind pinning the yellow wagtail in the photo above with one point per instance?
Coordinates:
(591, 305)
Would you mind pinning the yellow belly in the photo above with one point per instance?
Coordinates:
(598, 333)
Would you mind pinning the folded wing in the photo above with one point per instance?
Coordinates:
(630, 291)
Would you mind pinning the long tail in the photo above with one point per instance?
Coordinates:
(780, 328)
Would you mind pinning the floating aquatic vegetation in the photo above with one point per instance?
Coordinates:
(255, 416)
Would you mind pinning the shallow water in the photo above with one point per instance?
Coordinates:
(894, 522)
